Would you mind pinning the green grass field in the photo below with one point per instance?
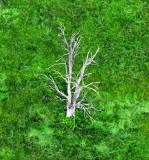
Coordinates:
(33, 125)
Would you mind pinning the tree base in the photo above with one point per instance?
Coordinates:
(70, 112)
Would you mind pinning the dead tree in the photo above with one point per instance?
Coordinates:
(76, 89)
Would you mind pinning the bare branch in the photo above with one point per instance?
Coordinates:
(60, 75)
(90, 84)
(61, 57)
(88, 74)
(79, 88)
(62, 29)
(55, 86)
(86, 111)
(92, 107)
(92, 90)
(59, 98)
(55, 65)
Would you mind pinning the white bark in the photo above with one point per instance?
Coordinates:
(73, 98)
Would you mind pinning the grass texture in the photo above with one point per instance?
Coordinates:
(33, 125)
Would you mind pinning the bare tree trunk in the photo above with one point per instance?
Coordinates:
(70, 109)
